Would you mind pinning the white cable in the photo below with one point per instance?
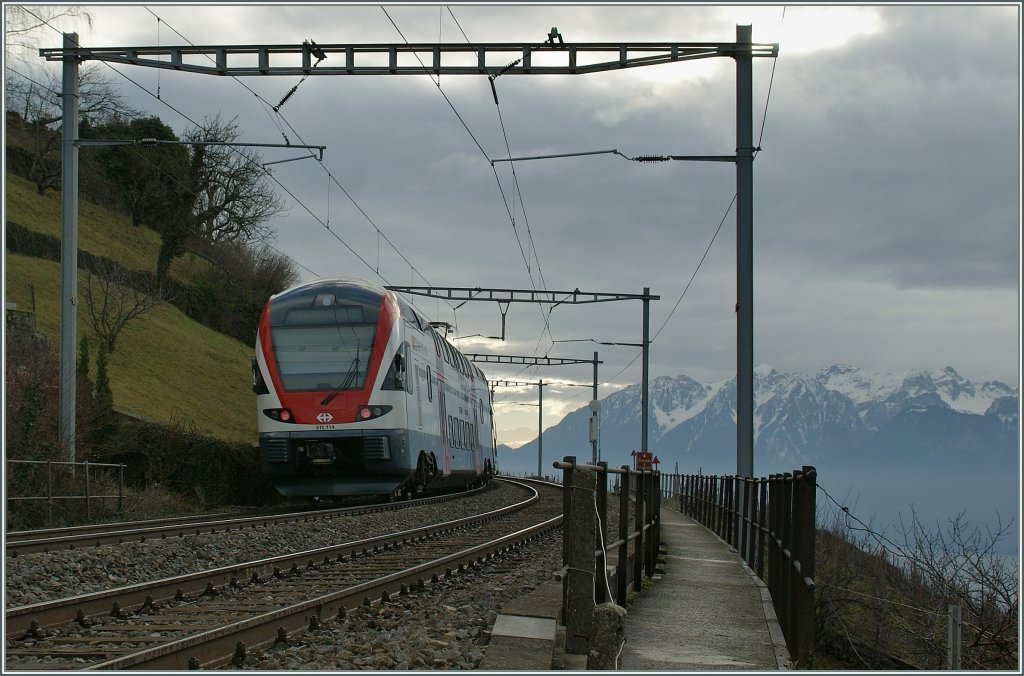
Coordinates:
(600, 530)
(607, 586)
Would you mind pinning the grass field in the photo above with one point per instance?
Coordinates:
(166, 366)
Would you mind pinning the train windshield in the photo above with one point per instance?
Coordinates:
(323, 345)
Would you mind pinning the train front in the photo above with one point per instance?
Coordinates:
(328, 375)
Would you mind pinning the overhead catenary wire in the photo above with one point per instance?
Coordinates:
(330, 175)
(469, 131)
(508, 209)
(277, 119)
(381, 234)
(196, 124)
(176, 110)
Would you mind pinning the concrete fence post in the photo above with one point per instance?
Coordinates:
(601, 564)
(582, 537)
(566, 526)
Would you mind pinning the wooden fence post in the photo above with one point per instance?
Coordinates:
(804, 501)
(762, 524)
(622, 570)
(638, 523)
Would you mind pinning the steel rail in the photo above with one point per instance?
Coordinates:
(30, 619)
(27, 542)
(219, 645)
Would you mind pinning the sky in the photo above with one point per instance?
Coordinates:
(887, 221)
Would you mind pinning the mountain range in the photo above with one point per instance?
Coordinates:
(841, 414)
(891, 430)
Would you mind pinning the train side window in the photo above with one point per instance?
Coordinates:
(430, 385)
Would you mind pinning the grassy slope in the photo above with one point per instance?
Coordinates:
(166, 366)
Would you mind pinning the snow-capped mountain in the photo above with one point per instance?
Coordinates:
(880, 396)
(842, 415)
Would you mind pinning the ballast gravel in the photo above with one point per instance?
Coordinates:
(447, 626)
(37, 577)
(444, 626)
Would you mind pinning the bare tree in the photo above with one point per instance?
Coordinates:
(882, 599)
(35, 114)
(235, 201)
(111, 303)
(961, 565)
(225, 196)
(25, 27)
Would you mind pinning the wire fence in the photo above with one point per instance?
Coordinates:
(54, 493)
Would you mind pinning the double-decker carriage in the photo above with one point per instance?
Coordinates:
(357, 394)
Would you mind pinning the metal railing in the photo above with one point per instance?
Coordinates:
(588, 549)
(64, 476)
(770, 522)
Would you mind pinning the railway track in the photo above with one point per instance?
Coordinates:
(211, 618)
(54, 539)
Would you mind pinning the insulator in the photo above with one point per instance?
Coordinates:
(650, 158)
(508, 67)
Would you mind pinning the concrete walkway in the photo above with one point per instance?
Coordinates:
(707, 612)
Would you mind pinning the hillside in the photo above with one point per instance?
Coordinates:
(166, 367)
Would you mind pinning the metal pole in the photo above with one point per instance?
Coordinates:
(594, 414)
(49, 494)
(644, 384)
(953, 638)
(540, 426)
(69, 247)
(88, 495)
(744, 254)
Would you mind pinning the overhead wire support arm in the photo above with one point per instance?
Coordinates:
(513, 383)
(530, 361)
(161, 142)
(574, 297)
(638, 158)
(578, 58)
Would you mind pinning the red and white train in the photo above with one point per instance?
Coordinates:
(357, 394)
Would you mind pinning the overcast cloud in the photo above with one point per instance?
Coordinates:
(887, 191)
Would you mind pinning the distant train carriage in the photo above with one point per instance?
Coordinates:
(357, 394)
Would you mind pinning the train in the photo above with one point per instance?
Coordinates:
(358, 394)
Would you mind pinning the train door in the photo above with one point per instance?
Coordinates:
(421, 374)
(475, 445)
(446, 459)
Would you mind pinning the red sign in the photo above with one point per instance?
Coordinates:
(643, 460)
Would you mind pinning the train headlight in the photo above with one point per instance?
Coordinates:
(279, 414)
(370, 412)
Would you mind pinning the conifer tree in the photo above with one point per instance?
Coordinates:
(104, 397)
